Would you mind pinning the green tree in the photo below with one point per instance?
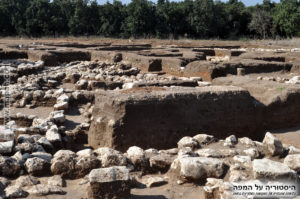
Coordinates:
(111, 17)
(161, 28)
(16, 9)
(78, 23)
(287, 18)
(140, 19)
(202, 17)
(61, 13)
(6, 27)
(38, 15)
(261, 23)
(220, 25)
(238, 18)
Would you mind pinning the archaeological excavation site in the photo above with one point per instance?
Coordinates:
(147, 119)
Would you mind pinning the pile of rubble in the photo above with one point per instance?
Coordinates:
(202, 159)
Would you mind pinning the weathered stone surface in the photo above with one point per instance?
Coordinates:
(6, 147)
(63, 163)
(56, 181)
(188, 142)
(266, 168)
(37, 166)
(44, 142)
(253, 153)
(164, 106)
(23, 181)
(58, 116)
(110, 157)
(204, 138)
(42, 155)
(137, 157)
(242, 159)
(187, 152)
(9, 167)
(246, 141)
(197, 169)
(293, 150)
(85, 164)
(43, 189)
(6, 134)
(85, 153)
(15, 192)
(161, 162)
(112, 182)
(61, 106)
(273, 144)
(293, 161)
(4, 182)
(210, 153)
(53, 136)
(231, 141)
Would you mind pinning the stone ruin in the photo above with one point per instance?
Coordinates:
(122, 117)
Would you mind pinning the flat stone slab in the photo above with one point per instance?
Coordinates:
(266, 168)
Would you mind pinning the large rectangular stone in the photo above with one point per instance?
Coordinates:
(159, 117)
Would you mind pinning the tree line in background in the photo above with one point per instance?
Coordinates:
(145, 19)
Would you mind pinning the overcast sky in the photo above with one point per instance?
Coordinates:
(246, 2)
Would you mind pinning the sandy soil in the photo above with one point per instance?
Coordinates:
(289, 136)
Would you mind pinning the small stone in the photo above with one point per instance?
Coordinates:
(56, 181)
(85, 164)
(61, 106)
(112, 182)
(63, 163)
(188, 142)
(42, 155)
(266, 168)
(155, 182)
(23, 181)
(137, 156)
(209, 153)
(231, 141)
(6, 134)
(110, 157)
(6, 147)
(242, 159)
(204, 138)
(58, 117)
(161, 162)
(43, 189)
(37, 166)
(15, 192)
(293, 161)
(273, 144)
(9, 167)
(293, 150)
(187, 152)
(4, 182)
(246, 141)
(85, 153)
(53, 136)
(197, 169)
(46, 144)
(252, 152)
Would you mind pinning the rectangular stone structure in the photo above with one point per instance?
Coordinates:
(159, 117)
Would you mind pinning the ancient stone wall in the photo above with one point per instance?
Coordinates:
(159, 118)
